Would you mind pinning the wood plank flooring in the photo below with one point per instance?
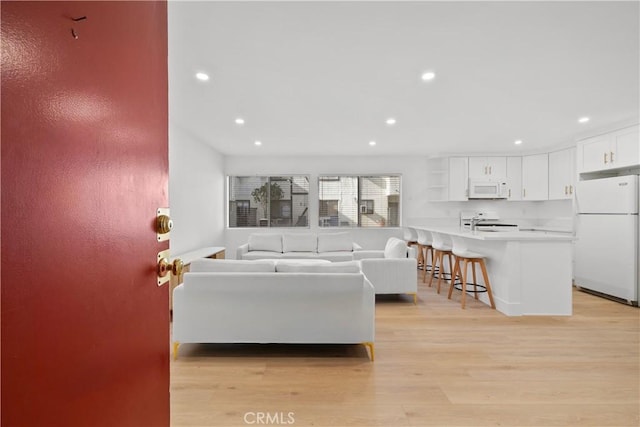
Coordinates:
(436, 365)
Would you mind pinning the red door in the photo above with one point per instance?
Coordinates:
(85, 328)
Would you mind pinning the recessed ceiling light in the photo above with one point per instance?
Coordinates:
(518, 142)
(257, 143)
(391, 121)
(372, 143)
(429, 75)
(202, 76)
(583, 119)
(239, 121)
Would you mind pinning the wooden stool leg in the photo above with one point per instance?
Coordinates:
(464, 282)
(433, 268)
(442, 271)
(486, 283)
(475, 281)
(420, 255)
(456, 271)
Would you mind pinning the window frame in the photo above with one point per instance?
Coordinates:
(360, 201)
(270, 178)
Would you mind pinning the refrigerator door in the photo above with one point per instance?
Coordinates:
(608, 195)
(606, 254)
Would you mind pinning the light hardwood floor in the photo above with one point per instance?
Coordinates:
(436, 365)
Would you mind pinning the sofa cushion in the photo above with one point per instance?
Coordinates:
(300, 242)
(329, 267)
(261, 255)
(295, 255)
(335, 242)
(265, 242)
(395, 248)
(336, 256)
(205, 265)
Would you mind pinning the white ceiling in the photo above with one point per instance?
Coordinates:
(321, 78)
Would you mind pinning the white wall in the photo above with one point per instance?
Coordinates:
(196, 193)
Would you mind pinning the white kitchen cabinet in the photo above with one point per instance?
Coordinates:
(562, 174)
(613, 150)
(487, 168)
(535, 177)
(514, 178)
(448, 179)
(458, 178)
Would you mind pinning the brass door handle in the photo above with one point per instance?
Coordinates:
(166, 268)
(174, 267)
(164, 224)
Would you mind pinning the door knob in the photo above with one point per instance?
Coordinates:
(166, 268)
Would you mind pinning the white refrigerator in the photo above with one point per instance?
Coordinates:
(606, 249)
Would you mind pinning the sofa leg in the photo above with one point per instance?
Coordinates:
(371, 347)
(415, 297)
(176, 344)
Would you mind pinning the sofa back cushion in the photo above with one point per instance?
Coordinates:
(206, 265)
(335, 242)
(329, 267)
(301, 242)
(265, 242)
(395, 248)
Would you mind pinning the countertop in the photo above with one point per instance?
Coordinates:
(499, 235)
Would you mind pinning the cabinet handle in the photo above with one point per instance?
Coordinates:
(605, 158)
(509, 193)
(571, 189)
(485, 170)
(611, 156)
(524, 192)
(489, 170)
(566, 190)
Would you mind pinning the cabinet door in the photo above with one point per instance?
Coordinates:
(478, 168)
(514, 178)
(595, 153)
(625, 150)
(458, 178)
(560, 174)
(497, 168)
(535, 177)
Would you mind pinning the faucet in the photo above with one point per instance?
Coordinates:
(474, 222)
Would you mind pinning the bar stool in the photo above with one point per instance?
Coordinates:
(442, 246)
(411, 237)
(462, 253)
(424, 246)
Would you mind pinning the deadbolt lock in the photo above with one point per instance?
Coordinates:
(164, 224)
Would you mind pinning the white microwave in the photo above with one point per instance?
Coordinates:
(487, 190)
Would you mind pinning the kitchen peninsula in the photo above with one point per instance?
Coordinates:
(530, 271)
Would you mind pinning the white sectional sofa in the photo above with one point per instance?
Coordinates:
(284, 301)
(392, 270)
(330, 246)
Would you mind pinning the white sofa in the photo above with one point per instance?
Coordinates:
(392, 270)
(231, 301)
(329, 246)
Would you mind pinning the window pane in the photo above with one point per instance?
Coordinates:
(268, 201)
(364, 201)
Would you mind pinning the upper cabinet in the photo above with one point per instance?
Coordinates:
(448, 178)
(562, 174)
(535, 177)
(487, 168)
(614, 150)
(514, 178)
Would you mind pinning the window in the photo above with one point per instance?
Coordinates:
(268, 201)
(359, 201)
